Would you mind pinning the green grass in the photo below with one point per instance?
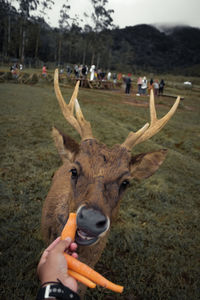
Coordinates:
(153, 248)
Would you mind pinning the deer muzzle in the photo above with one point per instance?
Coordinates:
(92, 225)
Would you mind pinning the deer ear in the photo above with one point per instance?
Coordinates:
(66, 146)
(146, 164)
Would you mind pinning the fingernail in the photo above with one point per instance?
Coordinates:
(68, 239)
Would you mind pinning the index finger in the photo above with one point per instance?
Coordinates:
(53, 244)
(47, 250)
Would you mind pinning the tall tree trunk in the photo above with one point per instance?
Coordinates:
(20, 38)
(98, 60)
(92, 59)
(109, 59)
(56, 50)
(70, 52)
(84, 53)
(59, 49)
(37, 44)
(9, 35)
(5, 40)
(22, 41)
(23, 45)
(6, 37)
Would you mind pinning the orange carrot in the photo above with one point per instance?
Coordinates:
(82, 279)
(81, 268)
(70, 227)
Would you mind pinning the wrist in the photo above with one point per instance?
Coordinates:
(45, 280)
(49, 282)
(56, 291)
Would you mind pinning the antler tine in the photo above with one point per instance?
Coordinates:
(86, 130)
(67, 110)
(153, 115)
(79, 123)
(133, 137)
(74, 97)
(155, 125)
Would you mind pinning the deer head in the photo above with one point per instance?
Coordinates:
(93, 177)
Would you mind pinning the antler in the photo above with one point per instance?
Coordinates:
(156, 125)
(79, 123)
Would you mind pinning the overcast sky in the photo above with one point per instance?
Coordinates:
(133, 12)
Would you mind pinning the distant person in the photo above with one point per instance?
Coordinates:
(76, 71)
(11, 68)
(79, 68)
(119, 76)
(15, 72)
(156, 87)
(16, 65)
(95, 75)
(150, 85)
(44, 71)
(139, 84)
(161, 87)
(99, 74)
(68, 70)
(109, 75)
(102, 76)
(92, 70)
(84, 71)
(144, 85)
(114, 77)
(128, 84)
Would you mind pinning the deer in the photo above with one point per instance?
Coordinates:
(93, 178)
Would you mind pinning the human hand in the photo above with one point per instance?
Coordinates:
(53, 265)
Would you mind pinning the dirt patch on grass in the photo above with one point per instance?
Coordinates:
(142, 103)
(136, 102)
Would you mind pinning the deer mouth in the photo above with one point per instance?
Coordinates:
(84, 238)
(92, 225)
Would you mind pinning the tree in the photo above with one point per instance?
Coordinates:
(39, 23)
(25, 7)
(101, 16)
(102, 20)
(64, 25)
(7, 13)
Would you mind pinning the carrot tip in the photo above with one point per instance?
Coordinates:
(69, 229)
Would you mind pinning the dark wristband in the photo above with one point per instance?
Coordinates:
(58, 291)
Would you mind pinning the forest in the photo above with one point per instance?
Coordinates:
(30, 40)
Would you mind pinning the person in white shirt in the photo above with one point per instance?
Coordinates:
(92, 70)
(144, 85)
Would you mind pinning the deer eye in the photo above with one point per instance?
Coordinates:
(124, 185)
(74, 173)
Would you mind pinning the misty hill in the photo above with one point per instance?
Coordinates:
(148, 48)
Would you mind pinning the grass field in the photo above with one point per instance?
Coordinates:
(154, 247)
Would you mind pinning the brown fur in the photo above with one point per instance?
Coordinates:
(100, 184)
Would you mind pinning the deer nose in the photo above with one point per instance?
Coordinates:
(92, 221)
